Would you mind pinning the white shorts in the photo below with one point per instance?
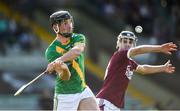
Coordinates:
(105, 105)
(70, 102)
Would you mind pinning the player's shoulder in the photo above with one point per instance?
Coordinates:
(78, 35)
(51, 46)
(121, 54)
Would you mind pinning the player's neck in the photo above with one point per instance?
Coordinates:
(62, 39)
(119, 49)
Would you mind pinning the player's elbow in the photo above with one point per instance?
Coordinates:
(65, 76)
(78, 51)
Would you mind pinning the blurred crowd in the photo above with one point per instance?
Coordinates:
(16, 36)
(159, 18)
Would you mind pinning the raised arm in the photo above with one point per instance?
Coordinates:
(166, 48)
(73, 53)
(70, 55)
(152, 69)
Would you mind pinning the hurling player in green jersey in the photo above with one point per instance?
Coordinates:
(66, 56)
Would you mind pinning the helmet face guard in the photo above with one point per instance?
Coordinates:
(57, 18)
(127, 35)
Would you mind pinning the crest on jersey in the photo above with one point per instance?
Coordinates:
(129, 72)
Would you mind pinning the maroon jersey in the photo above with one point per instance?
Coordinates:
(118, 73)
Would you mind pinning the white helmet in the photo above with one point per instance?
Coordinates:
(127, 34)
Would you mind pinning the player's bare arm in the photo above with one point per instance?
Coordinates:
(166, 48)
(61, 68)
(70, 55)
(73, 53)
(152, 69)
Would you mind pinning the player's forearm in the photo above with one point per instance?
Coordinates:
(144, 49)
(70, 55)
(152, 69)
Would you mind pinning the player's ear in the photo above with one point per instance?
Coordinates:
(55, 28)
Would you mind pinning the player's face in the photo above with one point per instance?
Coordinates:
(126, 43)
(66, 26)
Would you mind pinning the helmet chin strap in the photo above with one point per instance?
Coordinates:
(66, 35)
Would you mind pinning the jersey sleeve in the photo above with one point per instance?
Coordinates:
(79, 39)
(49, 55)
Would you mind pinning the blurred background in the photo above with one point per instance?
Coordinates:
(25, 33)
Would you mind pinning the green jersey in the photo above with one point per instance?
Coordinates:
(77, 80)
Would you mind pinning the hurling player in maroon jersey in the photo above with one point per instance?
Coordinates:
(121, 67)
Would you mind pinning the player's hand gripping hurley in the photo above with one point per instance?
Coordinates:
(56, 65)
(26, 85)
